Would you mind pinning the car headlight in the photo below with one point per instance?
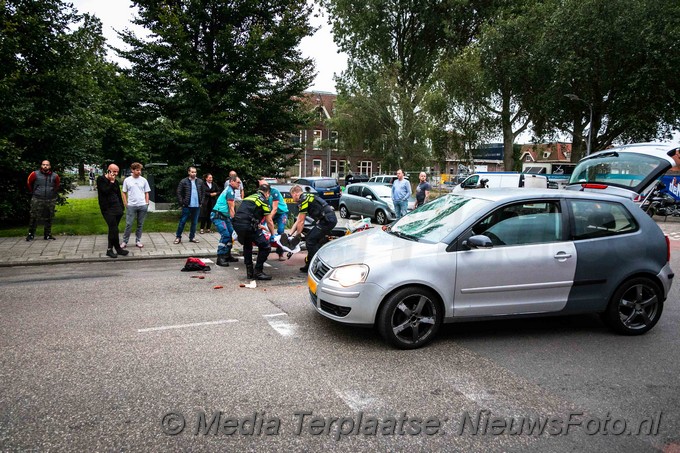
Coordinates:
(350, 275)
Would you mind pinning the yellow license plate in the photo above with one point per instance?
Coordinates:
(328, 193)
(288, 200)
(312, 284)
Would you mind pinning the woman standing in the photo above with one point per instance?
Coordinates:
(212, 191)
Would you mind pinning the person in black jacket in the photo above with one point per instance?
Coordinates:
(211, 190)
(189, 197)
(111, 206)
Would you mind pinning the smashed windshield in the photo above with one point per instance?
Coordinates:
(433, 221)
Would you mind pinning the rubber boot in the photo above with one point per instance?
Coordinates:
(305, 268)
(250, 272)
(222, 260)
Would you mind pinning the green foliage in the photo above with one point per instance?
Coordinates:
(81, 217)
(219, 84)
(49, 93)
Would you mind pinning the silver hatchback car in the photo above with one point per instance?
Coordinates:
(491, 253)
(370, 199)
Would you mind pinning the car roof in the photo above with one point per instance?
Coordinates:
(659, 150)
(287, 187)
(511, 194)
(316, 178)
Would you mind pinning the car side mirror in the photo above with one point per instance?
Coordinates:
(370, 197)
(478, 242)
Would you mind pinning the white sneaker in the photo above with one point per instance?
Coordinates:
(139, 244)
(123, 245)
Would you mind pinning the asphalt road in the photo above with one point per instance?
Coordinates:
(94, 358)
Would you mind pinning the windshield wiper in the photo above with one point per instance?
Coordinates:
(399, 234)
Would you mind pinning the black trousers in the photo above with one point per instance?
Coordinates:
(112, 221)
(317, 235)
(246, 236)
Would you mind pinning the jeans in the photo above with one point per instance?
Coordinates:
(400, 208)
(224, 227)
(41, 211)
(138, 213)
(280, 220)
(186, 212)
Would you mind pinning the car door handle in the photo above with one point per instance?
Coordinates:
(562, 256)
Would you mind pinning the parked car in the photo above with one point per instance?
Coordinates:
(327, 188)
(495, 180)
(629, 170)
(359, 177)
(369, 199)
(385, 179)
(492, 253)
(285, 192)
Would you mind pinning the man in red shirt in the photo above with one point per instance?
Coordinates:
(44, 185)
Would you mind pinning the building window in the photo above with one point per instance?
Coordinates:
(365, 167)
(316, 167)
(342, 168)
(317, 139)
(546, 154)
(527, 158)
(334, 168)
(334, 139)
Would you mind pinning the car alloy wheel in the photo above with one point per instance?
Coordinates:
(410, 318)
(344, 213)
(635, 307)
(380, 217)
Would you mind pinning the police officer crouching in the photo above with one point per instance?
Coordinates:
(324, 220)
(246, 223)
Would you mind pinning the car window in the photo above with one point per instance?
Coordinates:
(366, 191)
(325, 183)
(627, 170)
(522, 223)
(595, 219)
(302, 181)
(471, 181)
(354, 190)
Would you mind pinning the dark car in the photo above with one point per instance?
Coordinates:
(285, 192)
(327, 188)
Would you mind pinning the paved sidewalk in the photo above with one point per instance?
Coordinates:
(78, 249)
(16, 251)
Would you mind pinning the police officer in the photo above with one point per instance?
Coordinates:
(322, 214)
(247, 226)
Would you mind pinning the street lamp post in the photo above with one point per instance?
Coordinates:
(573, 97)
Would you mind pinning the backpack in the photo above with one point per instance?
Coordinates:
(194, 264)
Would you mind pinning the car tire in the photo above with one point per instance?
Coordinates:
(380, 217)
(344, 213)
(410, 318)
(635, 307)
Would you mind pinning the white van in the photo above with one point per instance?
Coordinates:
(495, 180)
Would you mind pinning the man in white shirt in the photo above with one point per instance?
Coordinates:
(136, 199)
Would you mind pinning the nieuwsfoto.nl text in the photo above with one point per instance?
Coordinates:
(480, 423)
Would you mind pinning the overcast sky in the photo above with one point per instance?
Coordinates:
(116, 14)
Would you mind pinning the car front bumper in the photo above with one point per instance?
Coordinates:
(355, 305)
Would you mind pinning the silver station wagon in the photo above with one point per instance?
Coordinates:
(490, 253)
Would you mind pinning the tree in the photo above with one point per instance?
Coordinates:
(613, 58)
(50, 92)
(219, 82)
(394, 47)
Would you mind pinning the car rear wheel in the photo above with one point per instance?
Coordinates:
(380, 217)
(344, 213)
(410, 318)
(635, 307)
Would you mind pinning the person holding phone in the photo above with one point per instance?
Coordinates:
(111, 206)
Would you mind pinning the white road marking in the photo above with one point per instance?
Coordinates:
(356, 400)
(282, 326)
(182, 326)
